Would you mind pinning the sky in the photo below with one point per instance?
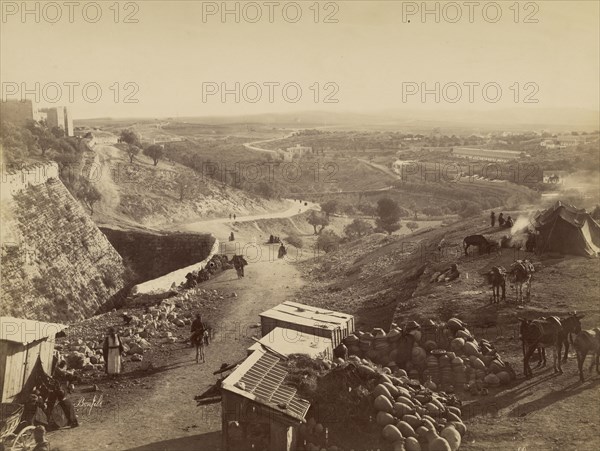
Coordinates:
(169, 59)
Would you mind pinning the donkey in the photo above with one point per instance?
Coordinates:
(541, 332)
(587, 341)
(200, 340)
(497, 278)
(522, 274)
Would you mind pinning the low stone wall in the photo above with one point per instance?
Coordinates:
(164, 283)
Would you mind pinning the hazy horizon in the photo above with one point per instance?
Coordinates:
(367, 55)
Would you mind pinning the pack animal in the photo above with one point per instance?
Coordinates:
(200, 339)
(481, 242)
(521, 272)
(497, 279)
(541, 332)
(585, 342)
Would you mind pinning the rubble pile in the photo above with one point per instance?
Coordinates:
(141, 329)
(444, 355)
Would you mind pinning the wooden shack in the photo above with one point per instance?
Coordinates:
(289, 341)
(22, 342)
(258, 410)
(310, 320)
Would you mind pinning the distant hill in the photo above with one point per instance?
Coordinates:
(510, 119)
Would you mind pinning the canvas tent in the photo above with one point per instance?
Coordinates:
(566, 229)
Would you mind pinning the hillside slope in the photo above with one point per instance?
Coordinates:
(385, 279)
(141, 194)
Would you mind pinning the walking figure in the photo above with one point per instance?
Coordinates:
(493, 218)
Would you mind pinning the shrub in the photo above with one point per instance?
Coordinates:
(295, 241)
(328, 241)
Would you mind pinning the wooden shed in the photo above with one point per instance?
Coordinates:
(289, 341)
(258, 410)
(22, 342)
(310, 320)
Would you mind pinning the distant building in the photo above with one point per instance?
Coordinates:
(552, 144)
(57, 117)
(17, 112)
(299, 150)
(554, 177)
(487, 154)
(68, 122)
(574, 140)
(291, 152)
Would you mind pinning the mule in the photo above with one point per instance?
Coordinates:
(570, 325)
(522, 275)
(497, 279)
(587, 341)
(543, 332)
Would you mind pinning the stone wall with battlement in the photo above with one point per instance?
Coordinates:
(14, 181)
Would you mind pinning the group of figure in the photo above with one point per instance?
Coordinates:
(557, 332)
(48, 406)
(502, 222)
(232, 216)
(274, 239)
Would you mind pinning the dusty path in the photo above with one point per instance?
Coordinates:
(165, 415)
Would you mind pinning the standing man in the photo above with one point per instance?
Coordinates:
(493, 218)
(111, 351)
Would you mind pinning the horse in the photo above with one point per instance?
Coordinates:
(497, 278)
(541, 332)
(199, 340)
(587, 341)
(522, 274)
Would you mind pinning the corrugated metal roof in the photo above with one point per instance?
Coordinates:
(25, 331)
(262, 375)
(307, 315)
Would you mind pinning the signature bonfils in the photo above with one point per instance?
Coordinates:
(89, 405)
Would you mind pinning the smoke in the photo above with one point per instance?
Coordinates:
(521, 224)
(579, 189)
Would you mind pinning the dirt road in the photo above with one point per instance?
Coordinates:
(160, 413)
